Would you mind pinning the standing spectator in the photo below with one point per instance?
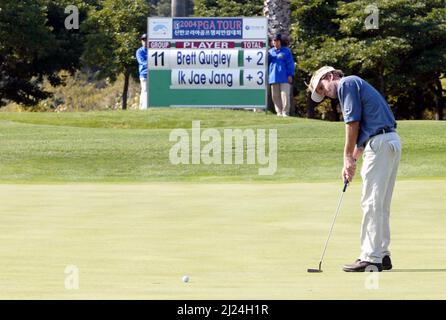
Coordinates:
(281, 73)
(141, 56)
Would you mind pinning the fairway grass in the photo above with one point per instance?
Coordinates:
(96, 192)
(133, 146)
(234, 240)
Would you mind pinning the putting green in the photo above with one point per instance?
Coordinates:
(237, 241)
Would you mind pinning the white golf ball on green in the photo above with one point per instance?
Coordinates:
(185, 278)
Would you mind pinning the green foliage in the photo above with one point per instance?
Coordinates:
(34, 43)
(404, 58)
(163, 8)
(80, 93)
(114, 29)
(228, 8)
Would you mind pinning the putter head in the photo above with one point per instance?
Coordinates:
(316, 270)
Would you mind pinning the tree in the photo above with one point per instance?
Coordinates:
(114, 31)
(404, 56)
(182, 8)
(228, 8)
(313, 22)
(278, 13)
(163, 8)
(34, 44)
(178, 8)
(189, 7)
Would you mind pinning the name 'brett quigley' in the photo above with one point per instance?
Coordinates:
(216, 59)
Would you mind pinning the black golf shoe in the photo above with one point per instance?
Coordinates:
(387, 263)
(363, 266)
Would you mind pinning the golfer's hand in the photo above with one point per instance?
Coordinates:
(357, 153)
(290, 79)
(348, 172)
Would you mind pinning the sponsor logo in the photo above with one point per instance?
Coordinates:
(158, 28)
(254, 27)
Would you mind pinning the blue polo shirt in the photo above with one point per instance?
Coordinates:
(141, 56)
(362, 102)
(281, 65)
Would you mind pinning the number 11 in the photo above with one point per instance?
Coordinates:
(156, 55)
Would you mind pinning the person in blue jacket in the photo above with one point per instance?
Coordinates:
(281, 74)
(141, 56)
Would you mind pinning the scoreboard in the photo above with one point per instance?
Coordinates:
(207, 62)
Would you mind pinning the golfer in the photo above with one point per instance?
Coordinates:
(141, 56)
(281, 73)
(371, 132)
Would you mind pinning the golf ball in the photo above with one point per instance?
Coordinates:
(185, 278)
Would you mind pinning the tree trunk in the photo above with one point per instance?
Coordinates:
(418, 103)
(382, 87)
(439, 115)
(334, 109)
(310, 107)
(292, 102)
(439, 100)
(278, 13)
(189, 10)
(269, 102)
(126, 88)
(178, 8)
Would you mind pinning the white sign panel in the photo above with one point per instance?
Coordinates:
(158, 59)
(254, 78)
(160, 28)
(185, 58)
(254, 28)
(205, 78)
(204, 59)
(254, 58)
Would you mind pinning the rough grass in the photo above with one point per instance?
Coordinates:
(134, 146)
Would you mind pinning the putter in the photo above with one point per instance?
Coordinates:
(331, 229)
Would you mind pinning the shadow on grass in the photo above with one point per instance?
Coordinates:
(418, 270)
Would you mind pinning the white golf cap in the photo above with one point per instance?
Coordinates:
(317, 75)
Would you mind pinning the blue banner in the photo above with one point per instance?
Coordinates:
(207, 28)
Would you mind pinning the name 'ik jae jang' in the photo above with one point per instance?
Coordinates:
(192, 77)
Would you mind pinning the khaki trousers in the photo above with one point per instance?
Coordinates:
(381, 158)
(280, 93)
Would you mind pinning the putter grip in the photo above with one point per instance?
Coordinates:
(345, 185)
(346, 182)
